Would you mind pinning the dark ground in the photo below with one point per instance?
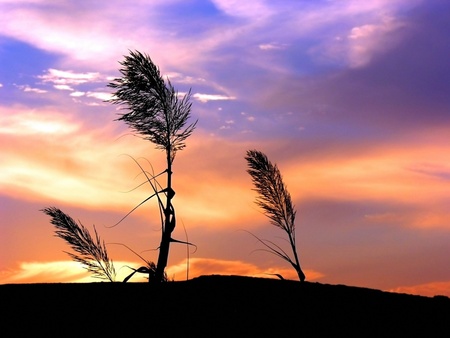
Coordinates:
(218, 306)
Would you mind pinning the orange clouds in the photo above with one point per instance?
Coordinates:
(20, 120)
(428, 289)
(47, 155)
(88, 171)
(411, 172)
(73, 272)
(62, 272)
(46, 272)
(209, 266)
(375, 175)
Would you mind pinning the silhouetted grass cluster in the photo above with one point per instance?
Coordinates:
(155, 111)
(275, 200)
(92, 252)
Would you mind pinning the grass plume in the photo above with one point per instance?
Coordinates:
(275, 200)
(90, 252)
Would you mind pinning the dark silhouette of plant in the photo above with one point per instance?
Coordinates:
(156, 113)
(90, 252)
(276, 203)
(149, 270)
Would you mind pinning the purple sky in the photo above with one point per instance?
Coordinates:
(351, 99)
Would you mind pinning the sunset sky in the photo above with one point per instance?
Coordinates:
(351, 99)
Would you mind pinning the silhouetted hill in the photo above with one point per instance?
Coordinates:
(212, 306)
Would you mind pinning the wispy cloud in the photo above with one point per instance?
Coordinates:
(68, 78)
(251, 10)
(77, 94)
(70, 81)
(211, 97)
(272, 46)
(28, 89)
(359, 44)
(63, 87)
(99, 38)
(103, 96)
(23, 121)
